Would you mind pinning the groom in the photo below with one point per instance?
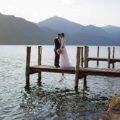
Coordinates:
(57, 46)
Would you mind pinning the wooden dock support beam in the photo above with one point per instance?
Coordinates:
(97, 56)
(86, 52)
(113, 56)
(82, 57)
(39, 62)
(77, 68)
(86, 55)
(85, 82)
(28, 56)
(108, 57)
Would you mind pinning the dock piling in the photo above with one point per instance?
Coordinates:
(77, 68)
(108, 57)
(82, 57)
(86, 51)
(85, 82)
(39, 62)
(97, 56)
(113, 56)
(86, 54)
(28, 57)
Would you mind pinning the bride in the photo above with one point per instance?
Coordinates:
(64, 59)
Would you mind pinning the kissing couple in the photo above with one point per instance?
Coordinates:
(61, 52)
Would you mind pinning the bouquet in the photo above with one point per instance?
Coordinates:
(59, 51)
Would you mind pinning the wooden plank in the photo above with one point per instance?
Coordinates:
(71, 70)
(103, 59)
(46, 68)
(101, 72)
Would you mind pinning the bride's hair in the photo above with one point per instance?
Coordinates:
(62, 34)
(59, 34)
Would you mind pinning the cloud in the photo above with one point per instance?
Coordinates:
(68, 2)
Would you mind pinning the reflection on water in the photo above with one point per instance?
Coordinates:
(62, 104)
(55, 98)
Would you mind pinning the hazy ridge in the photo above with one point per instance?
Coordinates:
(18, 31)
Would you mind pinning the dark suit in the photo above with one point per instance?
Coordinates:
(57, 56)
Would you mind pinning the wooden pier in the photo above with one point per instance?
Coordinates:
(81, 70)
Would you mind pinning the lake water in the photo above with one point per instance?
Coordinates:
(55, 99)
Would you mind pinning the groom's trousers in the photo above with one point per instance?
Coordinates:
(57, 57)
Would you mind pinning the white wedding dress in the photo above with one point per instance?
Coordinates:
(64, 59)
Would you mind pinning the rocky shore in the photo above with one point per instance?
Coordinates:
(113, 112)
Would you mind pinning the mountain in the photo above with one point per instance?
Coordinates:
(14, 30)
(60, 24)
(77, 33)
(114, 32)
(18, 31)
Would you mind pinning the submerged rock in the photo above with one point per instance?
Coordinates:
(113, 112)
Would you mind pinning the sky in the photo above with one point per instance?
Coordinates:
(85, 12)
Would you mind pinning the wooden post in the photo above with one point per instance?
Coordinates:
(81, 56)
(97, 56)
(86, 51)
(108, 57)
(113, 56)
(85, 82)
(27, 73)
(77, 68)
(39, 62)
